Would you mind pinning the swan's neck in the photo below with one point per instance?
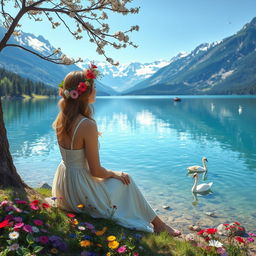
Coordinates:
(205, 166)
(195, 184)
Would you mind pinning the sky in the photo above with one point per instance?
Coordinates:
(167, 27)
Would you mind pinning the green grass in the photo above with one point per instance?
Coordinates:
(150, 244)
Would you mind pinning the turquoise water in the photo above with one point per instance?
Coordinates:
(155, 139)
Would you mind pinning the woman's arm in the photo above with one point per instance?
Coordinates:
(92, 151)
(92, 154)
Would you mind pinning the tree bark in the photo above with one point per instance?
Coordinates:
(8, 173)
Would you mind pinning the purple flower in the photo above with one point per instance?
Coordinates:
(27, 228)
(89, 225)
(72, 235)
(18, 219)
(137, 236)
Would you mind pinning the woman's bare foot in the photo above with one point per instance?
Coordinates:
(168, 229)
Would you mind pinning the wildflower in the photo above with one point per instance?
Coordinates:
(101, 232)
(135, 254)
(113, 244)
(252, 234)
(108, 254)
(200, 232)
(75, 221)
(89, 225)
(27, 228)
(250, 239)
(35, 202)
(54, 198)
(72, 235)
(34, 207)
(74, 94)
(18, 210)
(239, 239)
(20, 202)
(81, 228)
(222, 251)
(122, 249)
(85, 243)
(3, 203)
(80, 206)
(38, 222)
(237, 223)
(54, 251)
(111, 238)
(44, 239)
(35, 229)
(14, 235)
(138, 236)
(71, 215)
(215, 243)
(45, 205)
(4, 223)
(14, 247)
(18, 219)
(211, 230)
(19, 225)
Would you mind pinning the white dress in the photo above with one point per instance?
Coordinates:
(102, 198)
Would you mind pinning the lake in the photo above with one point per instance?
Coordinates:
(155, 139)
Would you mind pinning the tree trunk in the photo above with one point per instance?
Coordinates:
(8, 174)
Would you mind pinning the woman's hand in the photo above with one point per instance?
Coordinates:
(122, 176)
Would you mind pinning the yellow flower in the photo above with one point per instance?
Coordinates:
(85, 243)
(80, 206)
(108, 254)
(111, 238)
(101, 232)
(75, 221)
(54, 251)
(113, 244)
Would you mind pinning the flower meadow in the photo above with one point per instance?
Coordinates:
(27, 228)
(36, 228)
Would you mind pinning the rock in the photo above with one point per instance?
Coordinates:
(46, 185)
(166, 207)
(197, 228)
(211, 214)
(191, 227)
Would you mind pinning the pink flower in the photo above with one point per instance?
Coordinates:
(38, 222)
(5, 202)
(44, 239)
(250, 239)
(135, 254)
(27, 228)
(71, 215)
(8, 217)
(74, 94)
(122, 249)
(252, 234)
(19, 225)
(93, 66)
(18, 210)
(34, 207)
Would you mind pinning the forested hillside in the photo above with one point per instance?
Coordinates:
(14, 85)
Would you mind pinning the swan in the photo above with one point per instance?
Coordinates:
(201, 187)
(197, 168)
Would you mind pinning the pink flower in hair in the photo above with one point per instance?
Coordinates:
(74, 94)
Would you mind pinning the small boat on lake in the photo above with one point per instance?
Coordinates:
(177, 99)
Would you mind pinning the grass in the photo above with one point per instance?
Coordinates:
(149, 244)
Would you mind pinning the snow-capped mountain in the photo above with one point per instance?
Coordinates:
(29, 65)
(125, 76)
(224, 67)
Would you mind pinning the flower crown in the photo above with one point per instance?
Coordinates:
(90, 74)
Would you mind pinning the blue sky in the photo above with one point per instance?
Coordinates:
(167, 27)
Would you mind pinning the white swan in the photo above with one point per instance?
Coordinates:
(201, 187)
(197, 168)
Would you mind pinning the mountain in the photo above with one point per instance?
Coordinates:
(224, 67)
(30, 66)
(125, 76)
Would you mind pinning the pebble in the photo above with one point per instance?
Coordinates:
(166, 207)
(211, 214)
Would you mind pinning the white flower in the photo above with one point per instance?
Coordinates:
(215, 243)
(66, 93)
(14, 235)
(81, 228)
(14, 247)
(35, 229)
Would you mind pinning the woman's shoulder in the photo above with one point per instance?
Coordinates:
(88, 124)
